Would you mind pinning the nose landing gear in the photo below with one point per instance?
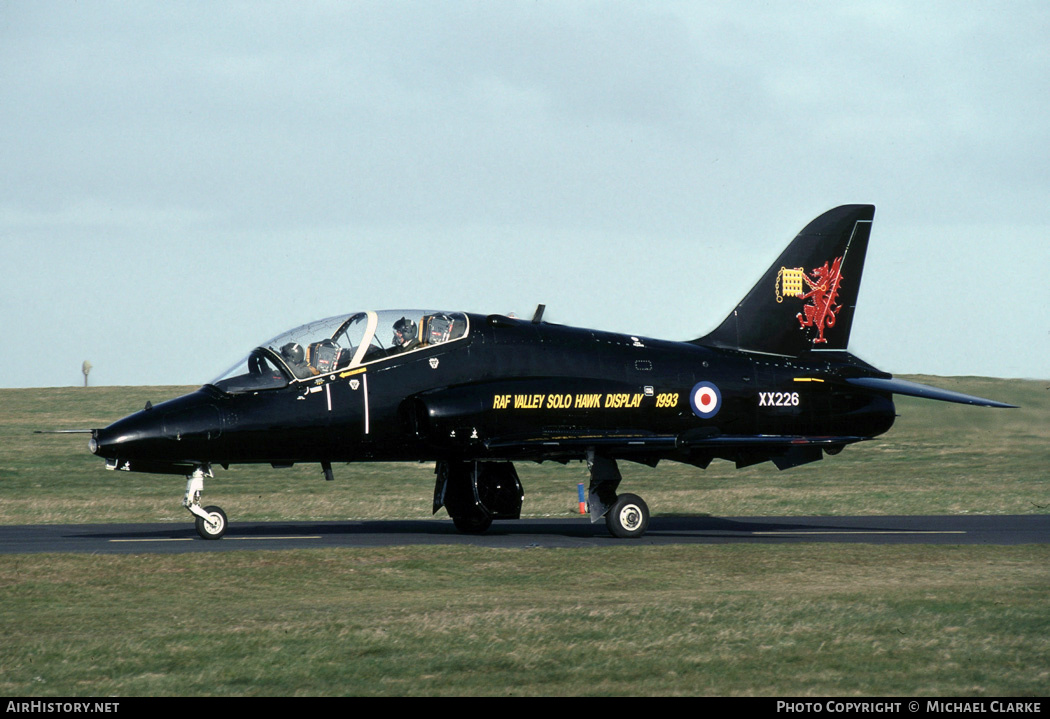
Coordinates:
(210, 521)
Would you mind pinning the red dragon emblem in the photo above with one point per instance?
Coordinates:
(823, 285)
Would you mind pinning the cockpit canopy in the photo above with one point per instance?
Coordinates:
(339, 343)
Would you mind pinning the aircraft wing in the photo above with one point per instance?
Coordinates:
(915, 389)
(695, 447)
(605, 439)
(647, 440)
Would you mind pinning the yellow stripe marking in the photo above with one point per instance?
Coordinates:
(173, 539)
(249, 539)
(228, 539)
(848, 531)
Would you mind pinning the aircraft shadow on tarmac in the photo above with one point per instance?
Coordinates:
(666, 526)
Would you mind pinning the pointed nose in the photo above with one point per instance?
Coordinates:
(128, 438)
(184, 429)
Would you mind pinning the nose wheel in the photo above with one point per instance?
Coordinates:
(214, 525)
(210, 521)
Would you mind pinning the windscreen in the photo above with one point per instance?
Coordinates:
(306, 351)
(258, 371)
(330, 345)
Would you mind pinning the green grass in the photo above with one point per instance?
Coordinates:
(786, 620)
(729, 620)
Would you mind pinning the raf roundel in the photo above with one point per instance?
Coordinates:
(705, 399)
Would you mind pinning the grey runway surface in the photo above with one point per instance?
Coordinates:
(170, 538)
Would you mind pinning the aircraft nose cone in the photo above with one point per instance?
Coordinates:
(122, 438)
(178, 431)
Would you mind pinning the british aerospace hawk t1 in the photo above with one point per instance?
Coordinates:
(475, 393)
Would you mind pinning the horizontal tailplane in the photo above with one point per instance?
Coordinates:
(914, 389)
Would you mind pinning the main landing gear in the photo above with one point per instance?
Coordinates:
(211, 521)
(475, 493)
(626, 515)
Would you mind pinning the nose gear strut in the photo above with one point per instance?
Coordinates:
(211, 521)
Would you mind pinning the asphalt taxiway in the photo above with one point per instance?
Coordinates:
(172, 538)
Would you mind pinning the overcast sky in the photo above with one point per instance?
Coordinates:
(180, 181)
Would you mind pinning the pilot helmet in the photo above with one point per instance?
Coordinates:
(293, 353)
(404, 331)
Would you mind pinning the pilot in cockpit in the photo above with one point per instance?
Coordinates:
(295, 357)
(406, 337)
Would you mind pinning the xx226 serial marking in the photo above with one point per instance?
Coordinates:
(778, 399)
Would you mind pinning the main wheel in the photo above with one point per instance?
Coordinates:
(215, 526)
(476, 523)
(628, 518)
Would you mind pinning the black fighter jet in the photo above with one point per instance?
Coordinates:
(475, 393)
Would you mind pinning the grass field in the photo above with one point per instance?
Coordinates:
(791, 620)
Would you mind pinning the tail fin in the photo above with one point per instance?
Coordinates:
(806, 299)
